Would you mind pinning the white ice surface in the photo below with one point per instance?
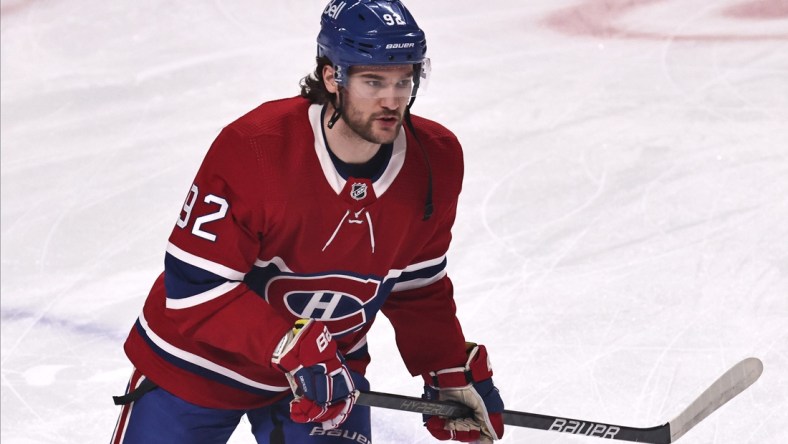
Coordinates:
(623, 230)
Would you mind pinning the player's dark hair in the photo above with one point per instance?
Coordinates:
(313, 87)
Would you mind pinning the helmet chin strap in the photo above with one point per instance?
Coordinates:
(337, 111)
(428, 205)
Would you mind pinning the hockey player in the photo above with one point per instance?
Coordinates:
(308, 217)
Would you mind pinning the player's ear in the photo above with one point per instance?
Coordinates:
(329, 79)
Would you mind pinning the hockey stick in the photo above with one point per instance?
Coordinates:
(730, 384)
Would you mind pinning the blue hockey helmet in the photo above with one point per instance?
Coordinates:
(371, 32)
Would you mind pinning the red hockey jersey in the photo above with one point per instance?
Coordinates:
(270, 233)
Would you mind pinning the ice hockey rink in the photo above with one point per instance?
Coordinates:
(622, 237)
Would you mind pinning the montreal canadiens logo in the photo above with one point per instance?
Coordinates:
(340, 301)
(341, 311)
(358, 191)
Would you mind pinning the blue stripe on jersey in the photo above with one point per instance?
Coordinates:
(361, 353)
(201, 371)
(183, 280)
(258, 277)
(423, 273)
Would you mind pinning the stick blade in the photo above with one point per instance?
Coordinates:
(727, 387)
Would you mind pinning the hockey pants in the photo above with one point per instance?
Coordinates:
(155, 416)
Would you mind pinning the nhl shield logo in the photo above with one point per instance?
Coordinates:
(358, 191)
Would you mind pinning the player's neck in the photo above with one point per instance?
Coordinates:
(346, 143)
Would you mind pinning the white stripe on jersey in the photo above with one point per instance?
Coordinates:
(205, 264)
(401, 286)
(278, 261)
(425, 264)
(358, 345)
(201, 298)
(204, 363)
(418, 283)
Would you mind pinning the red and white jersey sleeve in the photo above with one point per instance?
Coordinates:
(200, 304)
(421, 307)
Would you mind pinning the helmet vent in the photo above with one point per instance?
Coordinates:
(361, 46)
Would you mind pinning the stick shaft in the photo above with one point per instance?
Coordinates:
(655, 435)
(725, 388)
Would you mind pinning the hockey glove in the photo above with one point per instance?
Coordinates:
(322, 384)
(471, 385)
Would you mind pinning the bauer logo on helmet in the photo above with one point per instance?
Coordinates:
(400, 45)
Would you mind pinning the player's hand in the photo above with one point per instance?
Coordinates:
(323, 387)
(471, 385)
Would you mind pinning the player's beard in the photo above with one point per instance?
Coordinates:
(364, 126)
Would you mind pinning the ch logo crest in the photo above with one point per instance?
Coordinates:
(340, 301)
(358, 191)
